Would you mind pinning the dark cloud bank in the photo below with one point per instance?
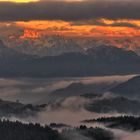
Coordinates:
(70, 10)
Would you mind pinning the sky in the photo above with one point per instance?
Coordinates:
(19, 1)
(80, 18)
(69, 10)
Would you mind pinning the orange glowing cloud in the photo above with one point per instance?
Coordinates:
(108, 28)
(129, 21)
(30, 34)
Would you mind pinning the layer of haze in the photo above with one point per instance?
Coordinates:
(36, 90)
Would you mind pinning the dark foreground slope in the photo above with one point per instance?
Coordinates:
(19, 131)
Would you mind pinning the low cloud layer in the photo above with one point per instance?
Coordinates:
(100, 22)
(62, 10)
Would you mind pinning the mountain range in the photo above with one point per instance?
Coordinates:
(101, 60)
(44, 46)
(57, 45)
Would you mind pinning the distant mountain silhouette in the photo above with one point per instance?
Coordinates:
(97, 103)
(114, 104)
(85, 90)
(73, 89)
(8, 55)
(130, 88)
(8, 109)
(103, 60)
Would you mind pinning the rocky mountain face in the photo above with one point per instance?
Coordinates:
(125, 43)
(57, 45)
(45, 46)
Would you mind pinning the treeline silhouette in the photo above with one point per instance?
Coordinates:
(129, 122)
(90, 133)
(18, 131)
(96, 133)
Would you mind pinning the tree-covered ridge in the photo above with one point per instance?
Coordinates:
(115, 104)
(125, 122)
(18, 131)
(87, 133)
(9, 108)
